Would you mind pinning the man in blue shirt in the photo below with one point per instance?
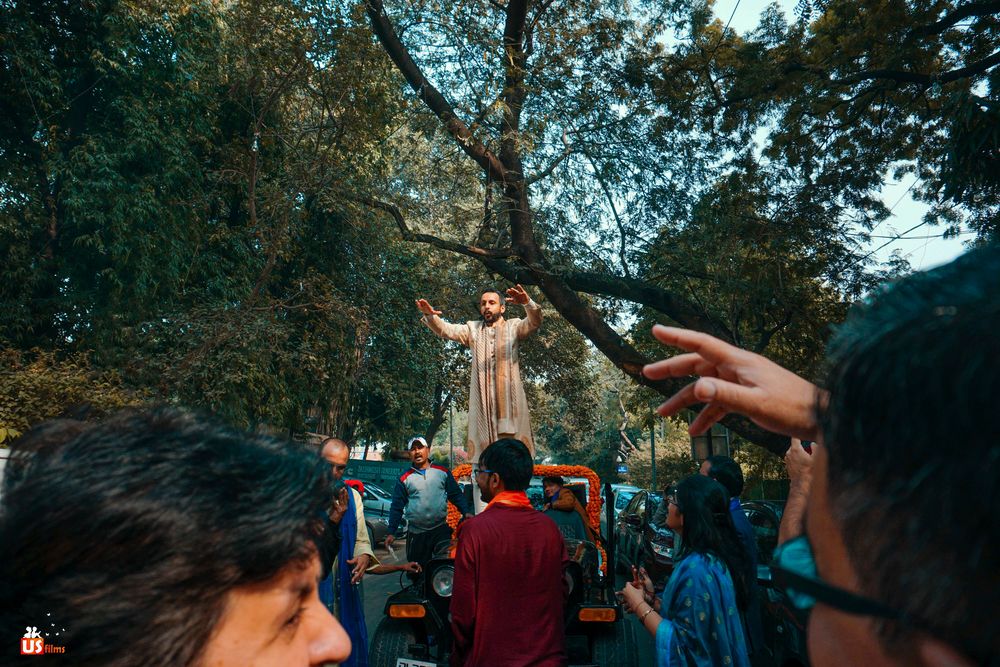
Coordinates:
(423, 493)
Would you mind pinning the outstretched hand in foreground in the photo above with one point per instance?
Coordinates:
(734, 380)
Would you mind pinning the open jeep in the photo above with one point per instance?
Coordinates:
(416, 631)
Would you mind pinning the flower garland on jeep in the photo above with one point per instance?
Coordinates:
(594, 501)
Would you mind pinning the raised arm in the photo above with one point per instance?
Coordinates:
(456, 332)
(798, 463)
(533, 312)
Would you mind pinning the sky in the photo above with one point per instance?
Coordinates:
(924, 247)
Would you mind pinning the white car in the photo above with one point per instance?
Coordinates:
(377, 502)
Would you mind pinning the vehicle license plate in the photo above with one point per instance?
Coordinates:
(410, 662)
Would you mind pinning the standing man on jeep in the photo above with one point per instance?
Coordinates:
(423, 492)
(497, 404)
(508, 598)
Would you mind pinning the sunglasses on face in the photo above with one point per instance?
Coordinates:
(793, 571)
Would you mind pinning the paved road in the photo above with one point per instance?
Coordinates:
(379, 587)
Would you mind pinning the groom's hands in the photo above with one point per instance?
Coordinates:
(518, 295)
(426, 308)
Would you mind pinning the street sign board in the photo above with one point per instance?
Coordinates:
(622, 468)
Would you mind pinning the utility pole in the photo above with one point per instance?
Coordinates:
(652, 450)
(451, 433)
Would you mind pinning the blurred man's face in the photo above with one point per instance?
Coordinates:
(418, 454)
(705, 468)
(834, 637)
(278, 623)
(337, 457)
(490, 307)
(551, 489)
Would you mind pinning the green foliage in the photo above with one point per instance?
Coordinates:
(39, 384)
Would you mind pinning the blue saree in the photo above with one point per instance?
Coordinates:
(701, 625)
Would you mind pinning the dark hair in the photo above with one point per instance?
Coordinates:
(553, 479)
(726, 472)
(129, 534)
(708, 528)
(493, 290)
(913, 461)
(511, 460)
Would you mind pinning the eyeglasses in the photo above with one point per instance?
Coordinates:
(794, 571)
(482, 471)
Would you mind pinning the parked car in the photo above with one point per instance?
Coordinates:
(623, 493)
(784, 625)
(416, 629)
(377, 503)
(638, 543)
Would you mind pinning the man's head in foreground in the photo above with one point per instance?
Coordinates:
(903, 508)
(506, 465)
(162, 538)
(419, 452)
(337, 453)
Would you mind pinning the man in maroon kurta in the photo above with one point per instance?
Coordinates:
(508, 596)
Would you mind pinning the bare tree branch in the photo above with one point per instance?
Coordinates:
(963, 12)
(430, 95)
(566, 152)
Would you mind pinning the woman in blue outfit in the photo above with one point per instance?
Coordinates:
(696, 620)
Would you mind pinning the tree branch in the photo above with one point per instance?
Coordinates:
(428, 94)
(566, 152)
(444, 244)
(964, 12)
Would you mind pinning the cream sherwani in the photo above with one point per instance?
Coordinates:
(497, 405)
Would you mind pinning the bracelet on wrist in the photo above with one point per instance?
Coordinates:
(642, 619)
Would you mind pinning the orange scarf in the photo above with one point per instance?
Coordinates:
(511, 499)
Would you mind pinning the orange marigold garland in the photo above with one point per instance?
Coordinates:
(594, 501)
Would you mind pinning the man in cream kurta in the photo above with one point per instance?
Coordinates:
(497, 405)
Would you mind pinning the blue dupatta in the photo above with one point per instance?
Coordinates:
(352, 612)
(701, 625)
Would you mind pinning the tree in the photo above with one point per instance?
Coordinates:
(564, 109)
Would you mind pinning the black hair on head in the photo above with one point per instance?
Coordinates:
(914, 464)
(510, 459)
(493, 290)
(131, 532)
(726, 472)
(553, 479)
(708, 528)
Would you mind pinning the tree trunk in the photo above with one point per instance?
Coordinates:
(507, 169)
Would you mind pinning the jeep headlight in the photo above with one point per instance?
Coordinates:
(443, 580)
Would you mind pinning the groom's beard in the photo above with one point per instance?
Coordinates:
(490, 318)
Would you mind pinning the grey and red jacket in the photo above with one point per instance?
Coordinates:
(424, 494)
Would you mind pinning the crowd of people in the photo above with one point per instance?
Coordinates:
(161, 537)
